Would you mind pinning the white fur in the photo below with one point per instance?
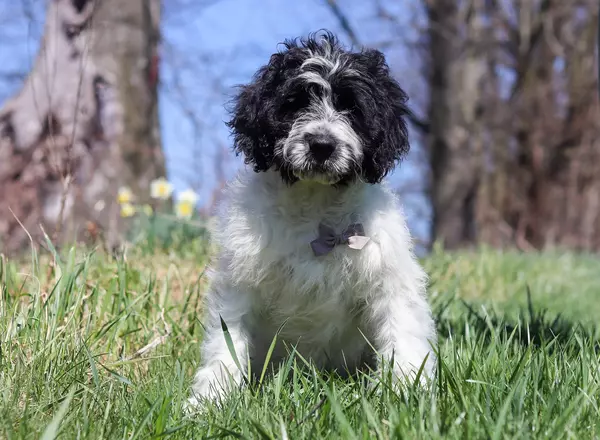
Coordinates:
(267, 277)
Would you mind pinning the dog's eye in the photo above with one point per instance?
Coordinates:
(344, 100)
(296, 101)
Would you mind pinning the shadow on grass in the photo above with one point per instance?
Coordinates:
(531, 326)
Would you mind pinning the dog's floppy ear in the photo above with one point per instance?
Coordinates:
(252, 117)
(389, 131)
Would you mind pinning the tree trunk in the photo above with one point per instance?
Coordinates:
(84, 123)
(547, 173)
(454, 143)
(514, 161)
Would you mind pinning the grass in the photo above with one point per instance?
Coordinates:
(99, 347)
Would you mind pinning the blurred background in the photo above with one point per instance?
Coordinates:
(112, 112)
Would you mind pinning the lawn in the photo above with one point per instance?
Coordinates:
(98, 347)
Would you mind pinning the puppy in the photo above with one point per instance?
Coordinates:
(313, 246)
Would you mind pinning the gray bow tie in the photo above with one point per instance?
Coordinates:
(353, 235)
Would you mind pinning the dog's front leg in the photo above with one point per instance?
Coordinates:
(219, 371)
(401, 328)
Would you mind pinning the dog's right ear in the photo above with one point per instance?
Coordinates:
(252, 122)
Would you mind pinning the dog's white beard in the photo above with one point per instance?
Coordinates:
(322, 119)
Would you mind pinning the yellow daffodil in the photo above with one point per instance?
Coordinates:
(161, 189)
(127, 210)
(124, 196)
(188, 196)
(184, 209)
(186, 204)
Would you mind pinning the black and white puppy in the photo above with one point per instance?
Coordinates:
(311, 243)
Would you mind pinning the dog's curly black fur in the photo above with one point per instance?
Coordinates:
(264, 111)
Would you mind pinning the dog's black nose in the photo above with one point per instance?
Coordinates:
(321, 146)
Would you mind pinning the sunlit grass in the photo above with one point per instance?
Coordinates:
(100, 347)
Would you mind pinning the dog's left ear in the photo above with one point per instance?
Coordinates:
(389, 131)
(252, 118)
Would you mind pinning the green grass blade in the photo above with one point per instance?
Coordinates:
(51, 431)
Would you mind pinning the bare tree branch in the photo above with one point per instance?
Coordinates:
(343, 20)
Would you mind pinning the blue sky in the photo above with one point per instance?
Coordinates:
(209, 49)
(238, 36)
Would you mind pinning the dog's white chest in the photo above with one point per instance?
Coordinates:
(291, 268)
(313, 304)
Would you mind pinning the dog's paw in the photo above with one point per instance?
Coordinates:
(206, 386)
(193, 405)
(405, 375)
(211, 385)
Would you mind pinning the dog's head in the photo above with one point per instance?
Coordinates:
(319, 112)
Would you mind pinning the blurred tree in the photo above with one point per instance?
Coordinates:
(539, 179)
(84, 123)
(454, 133)
(512, 127)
